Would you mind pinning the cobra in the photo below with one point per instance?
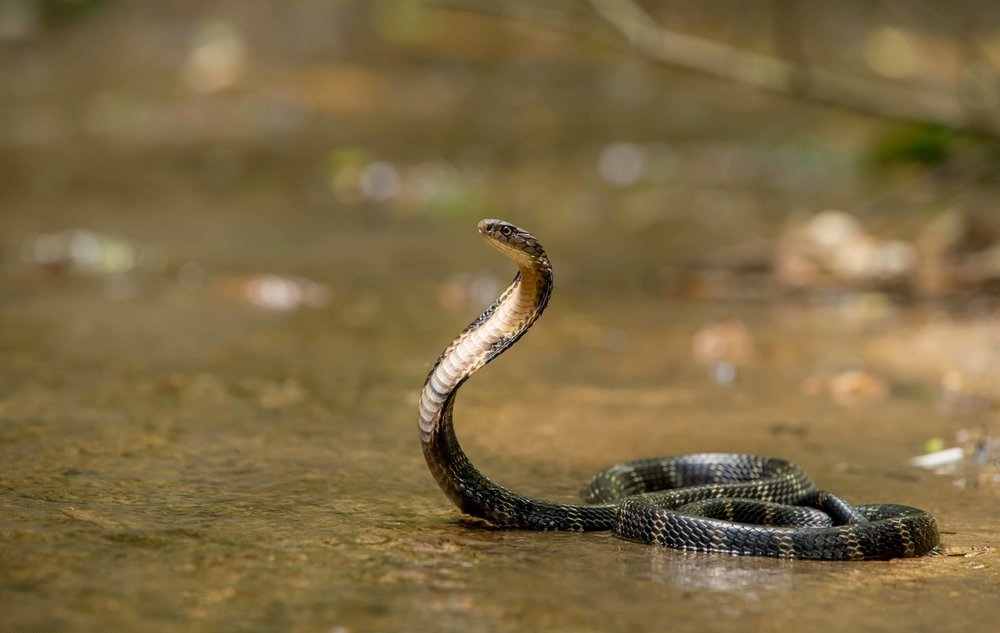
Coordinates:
(711, 502)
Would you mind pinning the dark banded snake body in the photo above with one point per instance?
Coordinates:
(710, 502)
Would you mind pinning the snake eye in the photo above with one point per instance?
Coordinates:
(506, 231)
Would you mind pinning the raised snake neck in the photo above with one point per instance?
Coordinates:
(702, 502)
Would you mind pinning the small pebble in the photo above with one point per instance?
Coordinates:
(724, 341)
(857, 388)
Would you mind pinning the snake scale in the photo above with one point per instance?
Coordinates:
(711, 502)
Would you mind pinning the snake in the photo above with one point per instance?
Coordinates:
(731, 503)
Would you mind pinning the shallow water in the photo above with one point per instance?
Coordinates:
(185, 457)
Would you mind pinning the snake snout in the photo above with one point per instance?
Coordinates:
(498, 229)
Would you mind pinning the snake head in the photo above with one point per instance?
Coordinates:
(510, 240)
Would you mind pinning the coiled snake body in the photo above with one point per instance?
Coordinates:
(715, 502)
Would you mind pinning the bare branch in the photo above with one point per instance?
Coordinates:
(773, 75)
(790, 77)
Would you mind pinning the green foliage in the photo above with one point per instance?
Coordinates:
(915, 144)
(65, 11)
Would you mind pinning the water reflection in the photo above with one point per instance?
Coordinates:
(753, 578)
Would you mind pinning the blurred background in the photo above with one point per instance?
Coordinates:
(335, 156)
(232, 231)
(257, 132)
